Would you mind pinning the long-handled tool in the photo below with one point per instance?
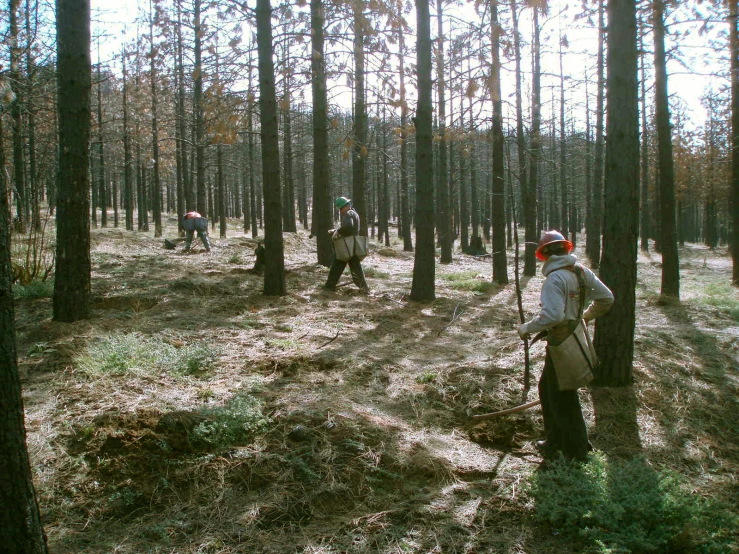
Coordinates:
(521, 408)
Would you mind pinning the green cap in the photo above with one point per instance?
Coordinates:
(341, 201)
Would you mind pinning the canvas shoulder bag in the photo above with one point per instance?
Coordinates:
(348, 247)
(574, 357)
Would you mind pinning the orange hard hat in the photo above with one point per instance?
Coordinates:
(552, 237)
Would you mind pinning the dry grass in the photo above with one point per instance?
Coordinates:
(367, 448)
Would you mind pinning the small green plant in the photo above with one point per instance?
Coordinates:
(206, 394)
(426, 377)
(234, 424)
(236, 259)
(615, 506)
(135, 353)
(34, 290)
(282, 344)
(722, 296)
(375, 273)
(469, 281)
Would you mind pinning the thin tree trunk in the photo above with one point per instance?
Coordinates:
(594, 250)
(670, 260)
(127, 161)
(157, 186)
(274, 256)
(322, 217)
(500, 263)
(197, 100)
(443, 216)
(645, 209)
(563, 181)
(532, 223)
(404, 225)
(359, 155)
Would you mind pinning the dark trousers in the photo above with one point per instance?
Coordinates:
(203, 236)
(337, 268)
(563, 422)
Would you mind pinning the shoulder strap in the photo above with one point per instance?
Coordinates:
(577, 268)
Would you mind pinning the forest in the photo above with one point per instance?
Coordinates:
(158, 395)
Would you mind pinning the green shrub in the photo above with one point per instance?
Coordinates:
(234, 424)
(235, 259)
(119, 354)
(35, 289)
(722, 296)
(426, 377)
(616, 507)
(468, 281)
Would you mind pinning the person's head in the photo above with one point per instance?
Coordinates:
(553, 243)
(342, 203)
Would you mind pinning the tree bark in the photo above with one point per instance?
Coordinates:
(274, 256)
(424, 267)
(157, 186)
(670, 259)
(500, 262)
(16, 112)
(322, 216)
(614, 338)
(359, 154)
(594, 242)
(645, 227)
(531, 221)
(197, 101)
(443, 216)
(404, 225)
(20, 523)
(127, 161)
(73, 266)
(734, 50)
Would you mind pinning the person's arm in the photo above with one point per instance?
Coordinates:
(552, 308)
(599, 293)
(347, 225)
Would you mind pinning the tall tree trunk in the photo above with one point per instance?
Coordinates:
(190, 203)
(16, 112)
(157, 186)
(532, 223)
(464, 209)
(72, 283)
(443, 217)
(322, 217)
(127, 161)
(614, 338)
(500, 263)
(424, 266)
(734, 52)
(274, 255)
(563, 182)
(670, 261)
(645, 209)
(528, 197)
(404, 225)
(102, 197)
(20, 523)
(197, 101)
(33, 178)
(594, 242)
(288, 190)
(474, 202)
(359, 157)
(255, 207)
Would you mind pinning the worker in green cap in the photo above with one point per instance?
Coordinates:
(345, 251)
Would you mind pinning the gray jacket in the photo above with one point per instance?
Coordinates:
(349, 223)
(560, 295)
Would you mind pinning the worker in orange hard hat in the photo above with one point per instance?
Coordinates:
(565, 294)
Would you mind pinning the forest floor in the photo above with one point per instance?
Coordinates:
(192, 414)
